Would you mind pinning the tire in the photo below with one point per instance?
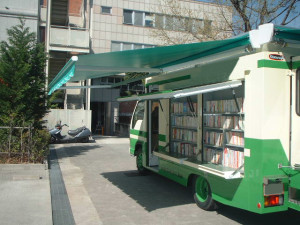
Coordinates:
(139, 162)
(202, 194)
(52, 140)
(85, 140)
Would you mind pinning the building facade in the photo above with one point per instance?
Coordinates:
(73, 27)
(11, 11)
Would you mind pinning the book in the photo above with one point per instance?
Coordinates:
(183, 107)
(232, 158)
(184, 135)
(235, 138)
(212, 156)
(225, 106)
(213, 138)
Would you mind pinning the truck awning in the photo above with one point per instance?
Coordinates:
(170, 58)
(182, 93)
(152, 60)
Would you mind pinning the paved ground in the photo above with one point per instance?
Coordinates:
(104, 188)
(25, 195)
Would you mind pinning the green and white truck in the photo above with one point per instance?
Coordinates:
(227, 122)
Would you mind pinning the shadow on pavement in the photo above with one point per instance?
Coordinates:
(102, 137)
(152, 191)
(74, 150)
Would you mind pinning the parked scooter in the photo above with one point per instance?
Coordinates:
(81, 134)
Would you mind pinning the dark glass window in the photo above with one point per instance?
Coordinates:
(128, 16)
(138, 18)
(105, 9)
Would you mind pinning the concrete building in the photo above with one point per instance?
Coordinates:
(73, 27)
(11, 11)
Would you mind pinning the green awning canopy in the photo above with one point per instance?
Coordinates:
(163, 59)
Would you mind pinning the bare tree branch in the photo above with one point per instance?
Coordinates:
(290, 8)
(231, 17)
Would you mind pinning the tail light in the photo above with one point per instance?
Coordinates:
(273, 200)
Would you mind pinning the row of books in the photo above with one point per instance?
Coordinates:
(184, 135)
(225, 122)
(224, 105)
(212, 156)
(213, 138)
(228, 157)
(232, 158)
(235, 138)
(184, 149)
(183, 107)
(185, 121)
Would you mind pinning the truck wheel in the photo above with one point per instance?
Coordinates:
(139, 162)
(202, 194)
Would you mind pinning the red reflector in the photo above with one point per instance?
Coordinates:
(273, 200)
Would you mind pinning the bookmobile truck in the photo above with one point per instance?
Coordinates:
(228, 124)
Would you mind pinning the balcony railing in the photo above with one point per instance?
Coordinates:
(69, 38)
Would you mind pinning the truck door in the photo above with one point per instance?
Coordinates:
(153, 127)
(295, 119)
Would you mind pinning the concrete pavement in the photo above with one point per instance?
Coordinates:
(97, 183)
(25, 195)
(104, 188)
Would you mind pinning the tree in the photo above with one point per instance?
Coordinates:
(22, 86)
(178, 23)
(249, 14)
(224, 19)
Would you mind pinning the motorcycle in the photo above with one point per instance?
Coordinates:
(81, 134)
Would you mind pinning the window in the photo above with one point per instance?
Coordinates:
(115, 46)
(159, 21)
(138, 18)
(128, 14)
(149, 18)
(127, 46)
(138, 113)
(105, 10)
(110, 80)
(138, 46)
(169, 22)
(298, 92)
(123, 46)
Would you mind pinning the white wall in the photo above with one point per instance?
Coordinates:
(73, 118)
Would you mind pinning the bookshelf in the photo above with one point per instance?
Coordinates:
(223, 130)
(184, 127)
